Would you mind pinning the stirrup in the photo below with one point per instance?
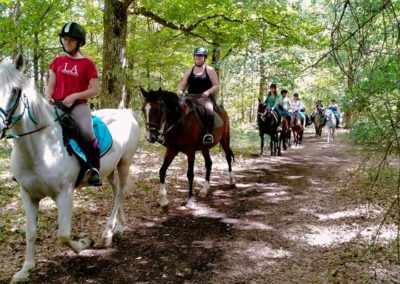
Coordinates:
(95, 178)
(208, 139)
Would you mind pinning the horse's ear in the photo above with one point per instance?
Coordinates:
(159, 90)
(19, 62)
(144, 93)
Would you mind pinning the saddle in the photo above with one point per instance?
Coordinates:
(73, 140)
(201, 112)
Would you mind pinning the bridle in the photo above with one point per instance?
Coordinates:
(9, 119)
(156, 127)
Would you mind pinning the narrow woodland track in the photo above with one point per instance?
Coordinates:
(287, 221)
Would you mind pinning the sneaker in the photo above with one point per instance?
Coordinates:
(208, 139)
(94, 179)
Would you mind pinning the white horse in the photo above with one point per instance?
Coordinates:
(42, 166)
(330, 124)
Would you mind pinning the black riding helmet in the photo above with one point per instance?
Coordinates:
(200, 51)
(76, 31)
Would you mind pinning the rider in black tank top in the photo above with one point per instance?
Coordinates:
(201, 82)
(198, 84)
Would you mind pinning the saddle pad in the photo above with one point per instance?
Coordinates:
(103, 136)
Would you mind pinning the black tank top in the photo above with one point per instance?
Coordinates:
(198, 84)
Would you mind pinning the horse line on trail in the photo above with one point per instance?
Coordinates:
(288, 221)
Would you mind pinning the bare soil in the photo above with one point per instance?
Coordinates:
(289, 220)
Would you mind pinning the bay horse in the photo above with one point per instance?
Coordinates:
(268, 123)
(330, 124)
(182, 132)
(43, 168)
(297, 129)
(319, 120)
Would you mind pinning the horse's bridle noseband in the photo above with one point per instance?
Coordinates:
(7, 115)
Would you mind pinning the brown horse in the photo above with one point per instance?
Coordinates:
(284, 137)
(182, 132)
(297, 129)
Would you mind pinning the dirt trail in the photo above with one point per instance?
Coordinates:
(286, 222)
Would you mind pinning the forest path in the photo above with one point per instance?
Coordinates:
(287, 221)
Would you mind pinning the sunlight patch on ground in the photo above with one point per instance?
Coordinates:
(47, 203)
(325, 236)
(386, 233)
(202, 210)
(293, 177)
(358, 212)
(241, 224)
(338, 234)
(256, 212)
(275, 193)
(258, 255)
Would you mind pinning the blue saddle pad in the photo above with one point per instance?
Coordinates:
(103, 136)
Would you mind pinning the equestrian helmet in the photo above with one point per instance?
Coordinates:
(74, 30)
(200, 51)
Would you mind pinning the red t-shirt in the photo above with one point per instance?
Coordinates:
(72, 76)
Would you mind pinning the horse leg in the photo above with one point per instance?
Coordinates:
(64, 206)
(190, 177)
(115, 223)
(262, 143)
(278, 144)
(206, 185)
(225, 144)
(31, 211)
(271, 145)
(170, 154)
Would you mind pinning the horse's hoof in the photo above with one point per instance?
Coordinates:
(203, 193)
(20, 277)
(163, 202)
(86, 243)
(191, 204)
(106, 242)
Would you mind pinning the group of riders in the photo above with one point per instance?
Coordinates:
(74, 79)
(284, 107)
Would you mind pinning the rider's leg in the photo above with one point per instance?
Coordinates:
(82, 115)
(337, 120)
(303, 119)
(289, 118)
(209, 121)
(280, 120)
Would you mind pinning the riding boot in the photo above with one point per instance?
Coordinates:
(209, 126)
(94, 163)
(280, 122)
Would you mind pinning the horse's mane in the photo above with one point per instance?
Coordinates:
(11, 78)
(171, 102)
(170, 99)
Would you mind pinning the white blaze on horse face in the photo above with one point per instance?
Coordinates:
(147, 109)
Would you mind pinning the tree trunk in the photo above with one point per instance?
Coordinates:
(347, 116)
(17, 14)
(215, 62)
(263, 77)
(115, 22)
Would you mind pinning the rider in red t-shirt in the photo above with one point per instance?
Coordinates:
(73, 80)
